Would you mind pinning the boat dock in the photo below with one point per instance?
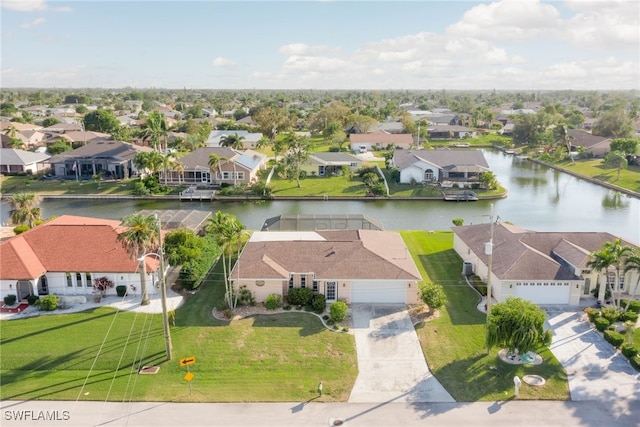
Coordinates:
(460, 196)
(192, 193)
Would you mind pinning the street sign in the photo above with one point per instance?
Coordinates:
(186, 361)
(188, 377)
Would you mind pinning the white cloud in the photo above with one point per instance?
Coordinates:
(24, 5)
(604, 25)
(301, 49)
(221, 62)
(312, 63)
(33, 24)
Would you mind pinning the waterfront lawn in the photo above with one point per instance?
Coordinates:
(261, 359)
(17, 184)
(594, 168)
(453, 342)
(319, 186)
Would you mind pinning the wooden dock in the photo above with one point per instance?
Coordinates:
(192, 193)
(460, 196)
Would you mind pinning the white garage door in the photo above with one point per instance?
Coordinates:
(378, 291)
(544, 294)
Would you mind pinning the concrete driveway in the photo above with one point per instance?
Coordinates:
(594, 369)
(391, 364)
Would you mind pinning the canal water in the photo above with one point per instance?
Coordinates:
(539, 198)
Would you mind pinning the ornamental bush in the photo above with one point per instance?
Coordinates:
(195, 270)
(32, 299)
(592, 313)
(628, 350)
(49, 303)
(10, 300)
(610, 313)
(338, 311)
(633, 306)
(319, 303)
(629, 316)
(601, 323)
(273, 301)
(614, 338)
(299, 296)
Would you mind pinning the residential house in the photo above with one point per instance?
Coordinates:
(77, 137)
(450, 132)
(363, 142)
(65, 255)
(235, 167)
(446, 167)
(317, 222)
(5, 127)
(330, 163)
(355, 266)
(542, 267)
(107, 157)
(389, 127)
(249, 139)
(19, 161)
(597, 146)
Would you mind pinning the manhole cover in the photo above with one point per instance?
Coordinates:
(533, 379)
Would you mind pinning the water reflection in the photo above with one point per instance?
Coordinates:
(615, 200)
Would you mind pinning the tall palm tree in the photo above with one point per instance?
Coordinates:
(612, 254)
(229, 233)
(214, 163)
(234, 141)
(632, 264)
(616, 159)
(140, 238)
(562, 137)
(156, 129)
(24, 209)
(601, 261)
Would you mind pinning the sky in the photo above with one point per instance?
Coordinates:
(324, 45)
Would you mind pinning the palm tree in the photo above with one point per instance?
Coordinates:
(24, 209)
(234, 141)
(229, 233)
(562, 137)
(214, 163)
(616, 159)
(155, 129)
(601, 261)
(140, 238)
(611, 255)
(632, 263)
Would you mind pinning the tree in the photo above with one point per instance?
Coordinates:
(272, 122)
(153, 161)
(101, 120)
(632, 264)
(155, 129)
(609, 256)
(433, 295)
(457, 221)
(140, 237)
(229, 234)
(214, 163)
(616, 159)
(614, 123)
(488, 180)
(517, 325)
(361, 122)
(24, 209)
(234, 141)
(50, 121)
(627, 146)
(58, 147)
(562, 137)
(182, 246)
(297, 152)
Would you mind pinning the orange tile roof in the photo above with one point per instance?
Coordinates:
(67, 243)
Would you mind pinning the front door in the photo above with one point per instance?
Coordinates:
(331, 292)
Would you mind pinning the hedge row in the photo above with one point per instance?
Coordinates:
(193, 272)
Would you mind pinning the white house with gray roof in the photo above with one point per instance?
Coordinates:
(330, 163)
(250, 139)
(13, 160)
(438, 166)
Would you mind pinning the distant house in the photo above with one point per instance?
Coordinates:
(235, 167)
(65, 255)
(542, 267)
(356, 266)
(317, 222)
(77, 137)
(19, 127)
(249, 141)
(598, 146)
(330, 163)
(113, 158)
(363, 142)
(19, 161)
(462, 167)
(450, 132)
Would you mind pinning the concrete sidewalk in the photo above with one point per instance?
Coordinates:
(297, 414)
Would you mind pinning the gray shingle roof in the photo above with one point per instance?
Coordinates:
(444, 159)
(12, 156)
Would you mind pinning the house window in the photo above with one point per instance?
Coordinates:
(87, 277)
(69, 280)
(225, 175)
(314, 286)
(303, 281)
(79, 280)
(240, 175)
(290, 282)
(353, 165)
(428, 175)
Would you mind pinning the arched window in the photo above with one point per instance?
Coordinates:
(428, 175)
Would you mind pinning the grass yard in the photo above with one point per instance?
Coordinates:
(267, 358)
(319, 186)
(16, 184)
(453, 343)
(594, 168)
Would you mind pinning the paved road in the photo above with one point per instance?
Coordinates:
(484, 414)
(391, 365)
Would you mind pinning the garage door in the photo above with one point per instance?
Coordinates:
(544, 293)
(378, 291)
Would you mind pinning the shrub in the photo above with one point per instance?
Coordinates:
(49, 303)
(273, 301)
(433, 295)
(299, 296)
(601, 323)
(633, 306)
(615, 338)
(121, 290)
(610, 313)
(20, 229)
(10, 300)
(102, 284)
(592, 313)
(32, 299)
(287, 307)
(629, 316)
(195, 270)
(338, 311)
(478, 284)
(628, 350)
(319, 303)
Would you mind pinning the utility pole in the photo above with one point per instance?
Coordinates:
(488, 249)
(163, 293)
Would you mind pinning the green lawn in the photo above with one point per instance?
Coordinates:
(453, 343)
(267, 358)
(594, 168)
(16, 184)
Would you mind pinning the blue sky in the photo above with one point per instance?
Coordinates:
(503, 45)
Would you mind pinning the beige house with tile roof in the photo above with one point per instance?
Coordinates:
(543, 267)
(63, 257)
(355, 266)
